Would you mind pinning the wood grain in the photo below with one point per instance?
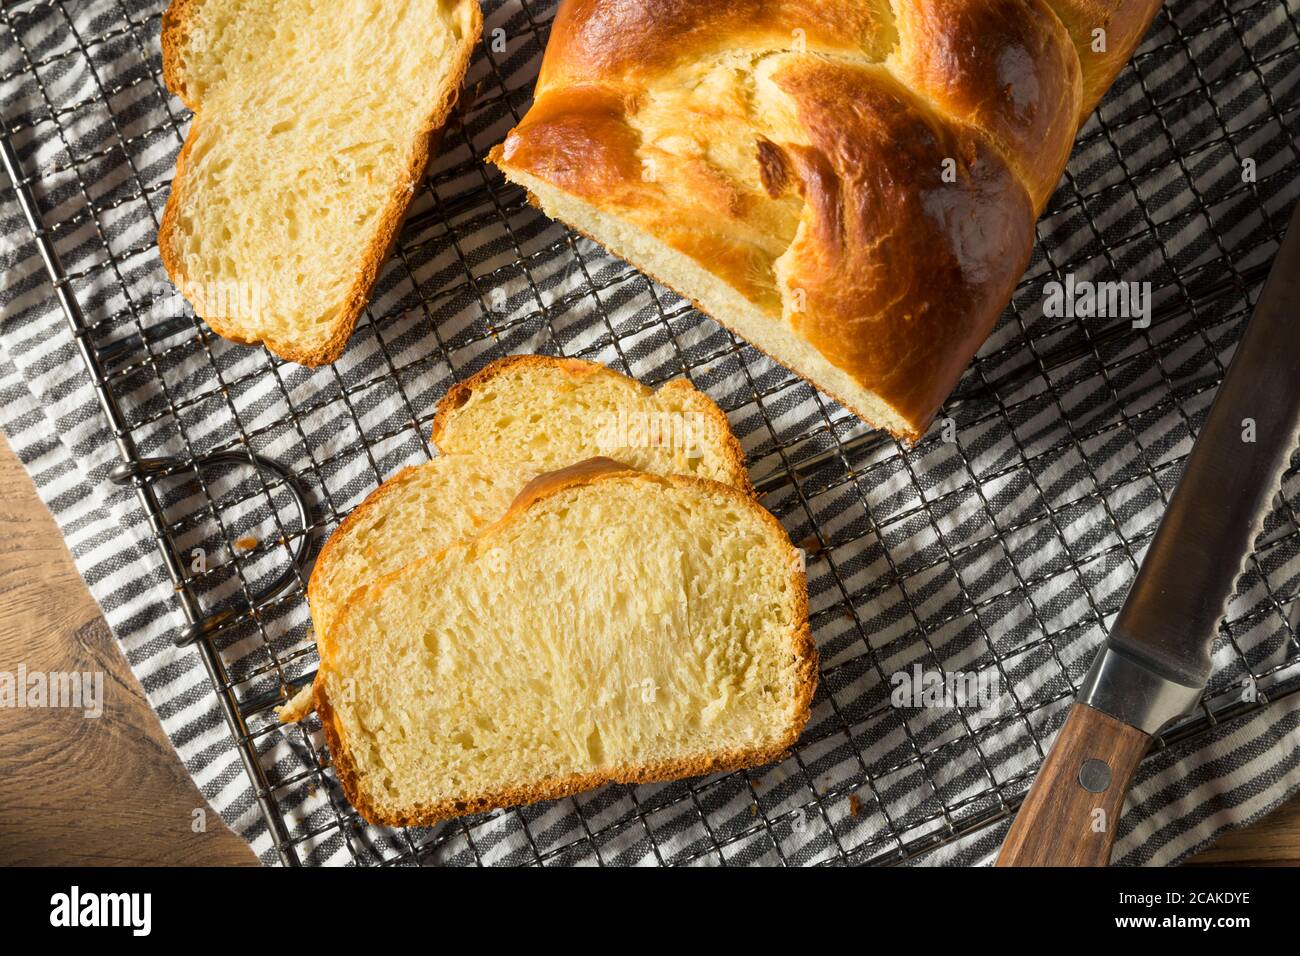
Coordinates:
(1062, 822)
(1273, 841)
(112, 791)
(103, 791)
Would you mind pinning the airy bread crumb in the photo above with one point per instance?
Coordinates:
(310, 133)
(614, 626)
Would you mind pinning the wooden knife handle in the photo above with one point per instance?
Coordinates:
(1071, 813)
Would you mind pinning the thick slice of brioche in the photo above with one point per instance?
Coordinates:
(417, 512)
(557, 411)
(516, 418)
(613, 626)
(314, 120)
(851, 185)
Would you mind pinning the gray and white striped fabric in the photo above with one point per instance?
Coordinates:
(1004, 552)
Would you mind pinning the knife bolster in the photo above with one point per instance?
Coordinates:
(1122, 687)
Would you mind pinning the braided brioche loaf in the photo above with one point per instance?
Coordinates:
(851, 185)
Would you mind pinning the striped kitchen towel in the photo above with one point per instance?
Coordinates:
(1002, 553)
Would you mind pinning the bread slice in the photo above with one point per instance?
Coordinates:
(313, 124)
(417, 512)
(554, 410)
(613, 626)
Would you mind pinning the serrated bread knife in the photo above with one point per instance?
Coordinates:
(1155, 663)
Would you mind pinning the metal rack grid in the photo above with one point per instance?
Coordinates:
(1003, 551)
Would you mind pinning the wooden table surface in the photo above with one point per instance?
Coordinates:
(111, 791)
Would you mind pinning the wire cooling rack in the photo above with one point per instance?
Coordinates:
(999, 546)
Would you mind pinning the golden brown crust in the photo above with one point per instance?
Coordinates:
(175, 32)
(545, 486)
(175, 36)
(1124, 23)
(902, 272)
(912, 145)
(1006, 67)
(598, 40)
(578, 370)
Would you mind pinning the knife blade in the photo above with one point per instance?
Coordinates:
(1157, 658)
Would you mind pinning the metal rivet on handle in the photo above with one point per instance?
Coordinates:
(1094, 775)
